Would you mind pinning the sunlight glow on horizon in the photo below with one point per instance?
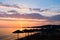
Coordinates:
(16, 22)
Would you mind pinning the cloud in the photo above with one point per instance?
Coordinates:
(27, 16)
(19, 8)
(21, 11)
(55, 18)
(7, 5)
(49, 14)
(22, 19)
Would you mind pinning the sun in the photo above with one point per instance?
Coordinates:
(21, 29)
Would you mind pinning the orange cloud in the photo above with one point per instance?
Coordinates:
(16, 22)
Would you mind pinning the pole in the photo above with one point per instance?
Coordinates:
(28, 34)
(18, 36)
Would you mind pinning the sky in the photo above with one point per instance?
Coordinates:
(29, 12)
(53, 6)
(34, 3)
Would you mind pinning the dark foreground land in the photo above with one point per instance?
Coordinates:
(47, 32)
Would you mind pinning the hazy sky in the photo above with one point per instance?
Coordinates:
(16, 12)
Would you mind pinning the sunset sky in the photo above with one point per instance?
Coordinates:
(22, 13)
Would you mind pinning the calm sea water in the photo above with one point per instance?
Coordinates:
(6, 34)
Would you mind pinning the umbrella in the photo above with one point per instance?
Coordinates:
(31, 30)
(27, 31)
(17, 32)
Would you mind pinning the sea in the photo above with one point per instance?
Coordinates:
(7, 34)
